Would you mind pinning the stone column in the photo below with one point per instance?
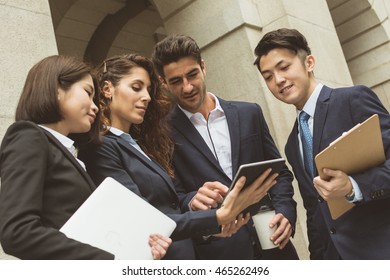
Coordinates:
(363, 27)
(27, 36)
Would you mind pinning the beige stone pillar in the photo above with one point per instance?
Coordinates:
(26, 37)
(382, 8)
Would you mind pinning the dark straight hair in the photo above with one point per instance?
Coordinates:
(172, 49)
(39, 103)
(283, 38)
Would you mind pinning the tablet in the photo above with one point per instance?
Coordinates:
(253, 170)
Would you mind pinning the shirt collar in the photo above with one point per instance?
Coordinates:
(115, 131)
(67, 142)
(310, 105)
(118, 132)
(217, 108)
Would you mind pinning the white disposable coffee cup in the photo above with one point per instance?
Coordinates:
(261, 220)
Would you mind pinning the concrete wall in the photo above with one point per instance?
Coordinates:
(27, 36)
(75, 22)
(363, 28)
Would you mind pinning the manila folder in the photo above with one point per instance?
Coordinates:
(359, 149)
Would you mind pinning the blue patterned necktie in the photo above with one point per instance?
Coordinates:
(307, 142)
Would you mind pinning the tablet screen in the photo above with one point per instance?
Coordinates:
(253, 170)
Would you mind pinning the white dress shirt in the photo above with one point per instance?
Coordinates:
(215, 132)
(67, 142)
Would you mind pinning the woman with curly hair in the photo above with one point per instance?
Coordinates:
(136, 151)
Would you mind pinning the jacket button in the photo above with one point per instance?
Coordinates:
(173, 205)
(332, 230)
(320, 199)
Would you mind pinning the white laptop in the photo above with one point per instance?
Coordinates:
(117, 220)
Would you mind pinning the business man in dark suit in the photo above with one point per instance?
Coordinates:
(213, 137)
(285, 62)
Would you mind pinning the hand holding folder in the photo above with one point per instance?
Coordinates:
(359, 149)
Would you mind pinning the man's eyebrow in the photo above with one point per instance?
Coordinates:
(277, 65)
(173, 79)
(192, 71)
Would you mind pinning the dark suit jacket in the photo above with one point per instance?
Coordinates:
(42, 185)
(363, 232)
(119, 160)
(195, 164)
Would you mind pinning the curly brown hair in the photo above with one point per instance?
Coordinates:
(153, 133)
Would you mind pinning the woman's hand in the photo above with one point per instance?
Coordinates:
(236, 200)
(159, 245)
(229, 229)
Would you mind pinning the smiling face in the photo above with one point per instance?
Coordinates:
(129, 98)
(288, 76)
(185, 78)
(77, 107)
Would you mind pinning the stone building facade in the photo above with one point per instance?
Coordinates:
(350, 38)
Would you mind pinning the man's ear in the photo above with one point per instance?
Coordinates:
(108, 89)
(310, 63)
(203, 66)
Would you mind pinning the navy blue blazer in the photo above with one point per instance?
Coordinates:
(363, 232)
(118, 159)
(195, 164)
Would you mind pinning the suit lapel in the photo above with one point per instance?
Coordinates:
(184, 126)
(71, 158)
(151, 164)
(320, 114)
(234, 132)
(320, 117)
(293, 145)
